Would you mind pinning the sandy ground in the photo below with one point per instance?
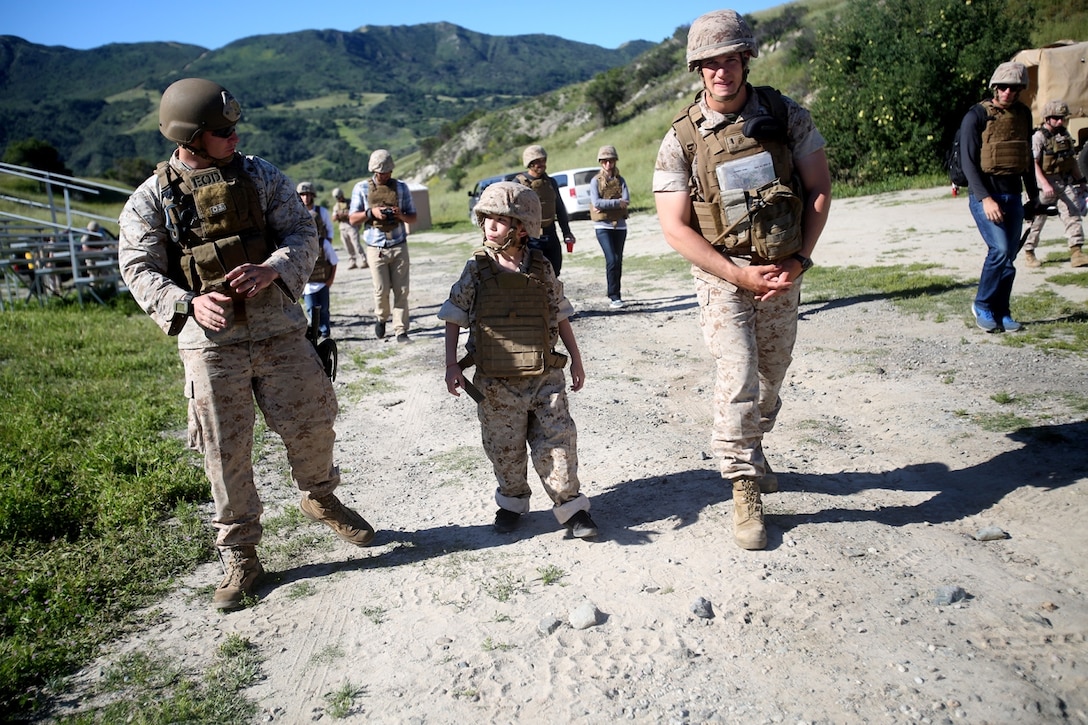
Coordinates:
(885, 483)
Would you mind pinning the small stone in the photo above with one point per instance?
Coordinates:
(1050, 606)
(583, 616)
(990, 533)
(949, 595)
(702, 608)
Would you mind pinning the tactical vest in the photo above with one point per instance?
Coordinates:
(608, 188)
(1059, 152)
(1006, 140)
(382, 195)
(214, 216)
(546, 191)
(322, 267)
(511, 330)
(745, 196)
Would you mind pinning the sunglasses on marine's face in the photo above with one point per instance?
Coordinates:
(1007, 87)
(223, 132)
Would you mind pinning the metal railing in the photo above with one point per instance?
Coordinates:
(59, 255)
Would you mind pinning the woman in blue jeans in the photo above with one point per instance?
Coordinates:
(608, 200)
(995, 138)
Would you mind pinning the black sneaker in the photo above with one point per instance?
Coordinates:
(379, 329)
(506, 521)
(582, 526)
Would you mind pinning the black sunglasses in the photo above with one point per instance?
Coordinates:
(1007, 86)
(223, 132)
(1055, 118)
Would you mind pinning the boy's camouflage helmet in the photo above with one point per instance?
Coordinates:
(507, 198)
(718, 33)
(304, 187)
(381, 162)
(193, 105)
(532, 153)
(1011, 73)
(1055, 108)
(607, 152)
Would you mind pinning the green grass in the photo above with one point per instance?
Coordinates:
(1052, 322)
(148, 689)
(97, 505)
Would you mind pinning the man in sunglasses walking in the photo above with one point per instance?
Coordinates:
(996, 143)
(216, 247)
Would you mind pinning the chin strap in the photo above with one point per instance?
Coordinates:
(511, 238)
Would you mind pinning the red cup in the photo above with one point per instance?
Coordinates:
(570, 246)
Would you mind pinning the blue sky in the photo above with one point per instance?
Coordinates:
(86, 24)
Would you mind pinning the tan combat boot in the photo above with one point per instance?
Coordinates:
(241, 570)
(348, 525)
(748, 529)
(1077, 258)
(1030, 260)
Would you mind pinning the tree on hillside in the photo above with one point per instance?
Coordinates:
(896, 79)
(605, 93)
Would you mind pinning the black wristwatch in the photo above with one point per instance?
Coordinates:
(184, 306)
(806, 262)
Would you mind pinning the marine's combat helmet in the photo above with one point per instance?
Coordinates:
(1056, 108)
(607, 152)
(305, 187)
(1011, 73)
(338, 193)
(532, 153)
(718, 33)
(193, 105)
(507, 198)
(381, 162)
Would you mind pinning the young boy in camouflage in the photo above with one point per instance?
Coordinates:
(514, 307)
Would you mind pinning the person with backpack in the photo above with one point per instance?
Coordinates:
(995, 150)
(1061, 183)
(743, 191)
(216, 248)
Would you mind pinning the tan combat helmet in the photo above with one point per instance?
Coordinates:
(338, 194)
(532, 153)
(607, 152)
(1056, 108)
(381, 162)
(507, 198)
(1010, 74)
(193, 105)
(718, 33)
(304, 187)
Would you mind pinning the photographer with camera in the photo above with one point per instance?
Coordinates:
(383, 205)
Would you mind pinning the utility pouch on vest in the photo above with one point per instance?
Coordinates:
(218, 204)
(212, 260)
(510, 347)
(775, 221)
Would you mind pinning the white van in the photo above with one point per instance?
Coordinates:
(574, 188)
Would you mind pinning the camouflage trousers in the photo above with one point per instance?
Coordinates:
(1065, 198)
(389, 273)
(752, 343)
(284, 376)
(531, 411)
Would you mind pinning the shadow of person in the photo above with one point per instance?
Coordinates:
(1052, 456)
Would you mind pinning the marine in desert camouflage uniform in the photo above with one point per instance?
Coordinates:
(748, 304)
(241, 331)
(520, 387)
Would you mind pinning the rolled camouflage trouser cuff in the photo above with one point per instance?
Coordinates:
(517, 504)
(564, 511)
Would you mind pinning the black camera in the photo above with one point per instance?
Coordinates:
(388, 214)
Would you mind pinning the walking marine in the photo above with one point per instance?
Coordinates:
(743, 191)
(216, 248)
